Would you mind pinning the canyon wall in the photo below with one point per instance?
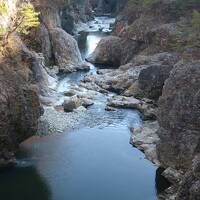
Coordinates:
(162, 64)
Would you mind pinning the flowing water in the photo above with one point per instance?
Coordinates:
(95, 162)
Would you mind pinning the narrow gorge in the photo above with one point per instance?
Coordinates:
(100, 100)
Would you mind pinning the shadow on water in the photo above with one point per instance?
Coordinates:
(23, 183)
(161, 182)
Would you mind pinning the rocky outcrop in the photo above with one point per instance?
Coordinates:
(178, 116)
(71, 104)
(44, 40)
(20, 109)
(66, 51)
(145, 106)
(114, 51)
(151, 80)
(75, 12)
(35, 61)
(145, 139)
(103, 7)
(108, 52)
(129, 79)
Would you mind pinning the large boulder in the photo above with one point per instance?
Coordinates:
(108, 52)
(179, 116)
(114, 51)
(66, 51)
(151, 80)
(71, 104)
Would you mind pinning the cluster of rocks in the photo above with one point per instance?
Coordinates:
(78, 97)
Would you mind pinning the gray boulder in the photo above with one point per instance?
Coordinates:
(71, 104)
(151, 80)
(66, 51)
(114, 51)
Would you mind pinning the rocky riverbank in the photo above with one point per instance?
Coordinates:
(151, 62)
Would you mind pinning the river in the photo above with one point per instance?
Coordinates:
(95, 162)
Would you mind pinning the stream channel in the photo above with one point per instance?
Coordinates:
(94, 162)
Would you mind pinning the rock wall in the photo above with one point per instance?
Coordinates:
(178, 116)
(20, 105)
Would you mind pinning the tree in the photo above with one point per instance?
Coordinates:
(21, 21)
(3, 7)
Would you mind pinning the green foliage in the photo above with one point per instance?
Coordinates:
(3, 7)
(22, 20)
(188, 32)
(26, 18)
(196, 23)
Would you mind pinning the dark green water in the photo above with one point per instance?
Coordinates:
(87, 164)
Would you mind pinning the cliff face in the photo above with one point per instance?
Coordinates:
(20, 106)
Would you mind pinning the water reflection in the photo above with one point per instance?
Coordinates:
(23, 183)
